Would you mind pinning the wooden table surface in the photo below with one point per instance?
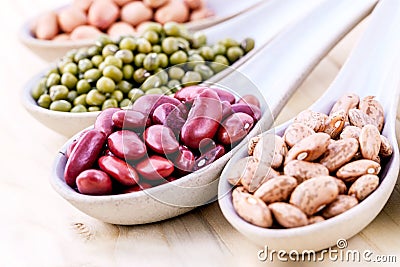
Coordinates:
(39, 228)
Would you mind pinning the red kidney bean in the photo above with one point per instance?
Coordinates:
(119, 170)
(160, 139)
(235, 128)
(189, 93)
(170, 116)
(163, 111)
(203, 119)
(249, 109)
(84, 155)
(175, 123)
(148, 103)
(136, 188)
(83, 132)
(209, 157)
(107, 152)
(74, 142)
(206, 144)
(225, 95)
(184, 161)
(226, 109)
(70, 148)
(131, 120)
(171, 179)
(155, 168)
(126, 145)
(156, 182)
(104, 122)
(153, 183)
(94, 182)
(250, 99)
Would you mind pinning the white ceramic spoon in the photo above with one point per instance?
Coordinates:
(279, 68)
(372, 69)
(271, 18)
(262, 24)
(223, 10)
(200, 187)
(51, 50)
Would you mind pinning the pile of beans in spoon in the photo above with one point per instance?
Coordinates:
(158, 140)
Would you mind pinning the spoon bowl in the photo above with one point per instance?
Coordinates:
(377, 75)
(198, 188)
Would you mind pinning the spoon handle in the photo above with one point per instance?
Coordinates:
(280, 67)
(374, 64)
(224, 10)
(261, 23)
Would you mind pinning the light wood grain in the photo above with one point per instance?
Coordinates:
(39, 228)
